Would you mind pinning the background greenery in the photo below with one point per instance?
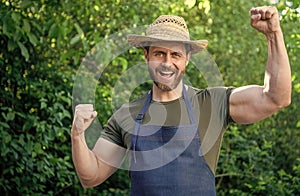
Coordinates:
(42, 45)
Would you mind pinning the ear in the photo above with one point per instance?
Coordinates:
(188, 58)
(146, 55)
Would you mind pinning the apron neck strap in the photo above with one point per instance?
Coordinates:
(188, 105)
(140, 116)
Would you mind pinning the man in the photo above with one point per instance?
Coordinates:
(166, 136)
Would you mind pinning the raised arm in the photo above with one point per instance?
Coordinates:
(249, 104)
(92, 166)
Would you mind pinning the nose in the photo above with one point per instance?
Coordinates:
(168, 60)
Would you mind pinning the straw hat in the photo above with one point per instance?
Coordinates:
(167, 28)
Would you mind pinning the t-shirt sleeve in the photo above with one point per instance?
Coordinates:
(228, 93)
(112, 132)
(120, 126)
(220, 100)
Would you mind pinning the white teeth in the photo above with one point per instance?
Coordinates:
(167, 73)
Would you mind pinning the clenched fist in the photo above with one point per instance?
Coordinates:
(83, 117)
(265, 19)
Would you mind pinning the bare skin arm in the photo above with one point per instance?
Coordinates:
(89, 164)
(252, 103)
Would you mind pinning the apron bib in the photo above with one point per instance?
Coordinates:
(166, 160)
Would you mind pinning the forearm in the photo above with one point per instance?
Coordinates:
(84, 160)
(262, 101)
(278, 73)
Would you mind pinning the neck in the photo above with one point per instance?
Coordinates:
(165, 96)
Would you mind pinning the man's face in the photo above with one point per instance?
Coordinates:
(166, 63)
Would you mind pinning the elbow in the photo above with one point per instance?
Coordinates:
(89, 183)
(279, 100)
(287, 103)
(283, 103)
(287, 100)
(86, 185)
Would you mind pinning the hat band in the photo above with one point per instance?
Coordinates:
(167, 33)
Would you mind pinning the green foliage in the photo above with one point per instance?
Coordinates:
(42, 46)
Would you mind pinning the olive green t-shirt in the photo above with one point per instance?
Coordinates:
(211, 109)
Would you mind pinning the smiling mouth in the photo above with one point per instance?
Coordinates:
(167, 74)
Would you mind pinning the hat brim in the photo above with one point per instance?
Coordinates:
(140, 41)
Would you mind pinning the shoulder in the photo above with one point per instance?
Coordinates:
(120, 125)
(132, 105)
(216, 93)
(213, 100)
(126, 114)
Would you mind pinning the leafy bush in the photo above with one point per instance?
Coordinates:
(42, 45)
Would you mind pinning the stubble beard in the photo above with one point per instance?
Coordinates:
(163, 87)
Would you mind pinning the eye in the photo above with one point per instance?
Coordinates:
(159, 54)
(177, 54)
